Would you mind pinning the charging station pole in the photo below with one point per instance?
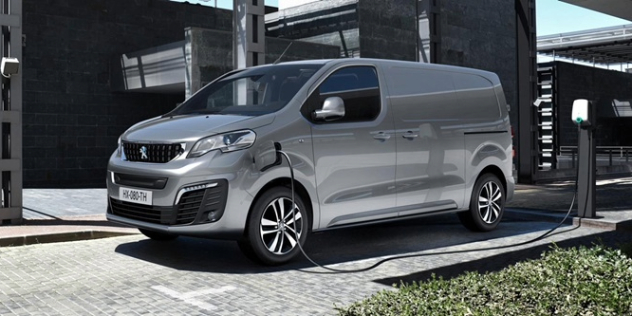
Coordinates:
(587, 159)
(586, 178)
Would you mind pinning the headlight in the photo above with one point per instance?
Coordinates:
(225, 142)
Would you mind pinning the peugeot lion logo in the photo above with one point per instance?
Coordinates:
(143, 153)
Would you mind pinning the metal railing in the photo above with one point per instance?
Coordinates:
(618, 154)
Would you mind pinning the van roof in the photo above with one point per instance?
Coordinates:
(387, 62)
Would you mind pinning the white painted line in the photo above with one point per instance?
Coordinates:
(189, 297)
(209, 291)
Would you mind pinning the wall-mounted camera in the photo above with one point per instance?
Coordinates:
(9, 66)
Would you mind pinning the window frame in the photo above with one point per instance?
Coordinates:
(315, 99)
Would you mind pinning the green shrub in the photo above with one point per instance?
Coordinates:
(584, 281)
(626, 249)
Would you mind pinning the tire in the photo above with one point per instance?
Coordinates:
(487, 204)
(154, 235)
(270, 236)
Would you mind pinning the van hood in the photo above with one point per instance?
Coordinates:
(191, 127)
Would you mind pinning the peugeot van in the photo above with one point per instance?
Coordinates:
(368, 141)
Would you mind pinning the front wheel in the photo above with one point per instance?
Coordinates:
(487, 204)
(275, 227)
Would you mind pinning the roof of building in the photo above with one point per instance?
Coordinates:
(609, 45)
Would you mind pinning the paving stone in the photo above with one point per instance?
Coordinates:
(119, 276)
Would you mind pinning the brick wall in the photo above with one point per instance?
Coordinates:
(388, 29)
(71, 118)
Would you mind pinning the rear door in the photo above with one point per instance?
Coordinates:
(354, 156)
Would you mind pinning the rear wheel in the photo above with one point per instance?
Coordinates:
(154, 235)
(487, 204)
(275, 228)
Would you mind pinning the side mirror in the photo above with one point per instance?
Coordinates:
(333, 109)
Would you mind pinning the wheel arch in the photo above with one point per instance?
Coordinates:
(299, 189)
(472, 218)
(496, 171)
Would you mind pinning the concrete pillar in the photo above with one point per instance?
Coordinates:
(248, 33)
(527, 90)
(11, 116)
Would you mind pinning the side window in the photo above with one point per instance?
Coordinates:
(357, 86)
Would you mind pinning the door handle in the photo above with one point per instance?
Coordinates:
(382, 136)
(410, 135)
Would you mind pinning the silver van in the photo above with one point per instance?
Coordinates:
(368, 140)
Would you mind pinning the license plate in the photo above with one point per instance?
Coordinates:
(135, 196)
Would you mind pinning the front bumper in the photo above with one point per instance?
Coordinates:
(188, 197)
(203, 204)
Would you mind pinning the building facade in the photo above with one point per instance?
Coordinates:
(74, 111)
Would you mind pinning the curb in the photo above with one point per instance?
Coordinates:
(59, 237)
(557, 217)
(624, 226)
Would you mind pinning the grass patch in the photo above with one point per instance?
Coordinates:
(576, 281)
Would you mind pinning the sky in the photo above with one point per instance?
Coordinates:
(553, 16)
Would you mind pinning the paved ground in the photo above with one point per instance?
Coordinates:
(133, 275)
(130, 275)
(53, 215)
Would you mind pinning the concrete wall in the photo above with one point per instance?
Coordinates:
(332, 22)
(481, 34)
(388, 29)
(600, 86)
(211, 54)
(71, 118)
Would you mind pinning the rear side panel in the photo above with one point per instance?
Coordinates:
(486, 128)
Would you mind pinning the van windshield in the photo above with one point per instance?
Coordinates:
(252, 92)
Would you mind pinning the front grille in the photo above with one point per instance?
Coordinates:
(157, 153)
(140, 181)
(194, 207)
(143, 213)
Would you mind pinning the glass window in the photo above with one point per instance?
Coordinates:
(357, 86)
(251, 92)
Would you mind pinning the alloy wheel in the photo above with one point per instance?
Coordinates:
(280, 226)
(490, 202)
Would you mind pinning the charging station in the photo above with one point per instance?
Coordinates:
(584, 115)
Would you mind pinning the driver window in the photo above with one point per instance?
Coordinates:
(357, 86)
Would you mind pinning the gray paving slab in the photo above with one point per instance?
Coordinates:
(58, 215)
(133, 275)
(57, 203)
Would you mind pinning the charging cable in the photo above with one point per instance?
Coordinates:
(330, 270)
